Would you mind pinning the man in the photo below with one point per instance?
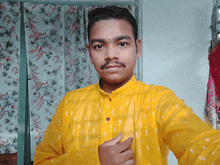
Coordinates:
(122, 121)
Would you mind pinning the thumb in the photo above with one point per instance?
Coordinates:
(113, 141)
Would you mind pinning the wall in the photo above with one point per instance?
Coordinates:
(176, 37)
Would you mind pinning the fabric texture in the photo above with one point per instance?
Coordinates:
(153, 115)
(9, 75)
(212, 109)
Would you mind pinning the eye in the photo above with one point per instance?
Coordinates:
(98, 47)
(122, 44)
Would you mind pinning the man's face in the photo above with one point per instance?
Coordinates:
(113, 50)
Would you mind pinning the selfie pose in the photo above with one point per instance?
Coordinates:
(122, 121)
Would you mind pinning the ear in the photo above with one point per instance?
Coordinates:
(88, 49)
(138, 43)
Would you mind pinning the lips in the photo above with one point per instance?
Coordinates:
(112, 66)
(115, 64)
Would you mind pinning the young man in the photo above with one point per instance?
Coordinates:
(122, 121)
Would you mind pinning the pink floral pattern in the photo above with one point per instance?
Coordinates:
(9, 75)
(212, 104)
(212, 109)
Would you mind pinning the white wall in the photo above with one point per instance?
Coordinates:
(176, 37)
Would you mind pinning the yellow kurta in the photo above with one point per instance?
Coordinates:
(153, 115)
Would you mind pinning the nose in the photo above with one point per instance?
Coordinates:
(111, 53)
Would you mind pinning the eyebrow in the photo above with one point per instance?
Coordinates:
(115, 39)
(122, 37)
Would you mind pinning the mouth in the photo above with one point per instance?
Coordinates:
(113, 66)
(109, 65)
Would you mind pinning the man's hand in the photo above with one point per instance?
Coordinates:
(113, 152)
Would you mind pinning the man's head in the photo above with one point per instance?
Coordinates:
(113, 47)
(112, 12)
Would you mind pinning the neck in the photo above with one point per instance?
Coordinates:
(109, 87)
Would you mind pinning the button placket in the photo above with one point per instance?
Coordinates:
(110, 118)
(106, 131)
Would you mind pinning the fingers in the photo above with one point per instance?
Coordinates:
(125, 144)
(113, 141)
(129, 162)
(127, 154)
(116, 152)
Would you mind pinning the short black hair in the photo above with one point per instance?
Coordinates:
(112, 12)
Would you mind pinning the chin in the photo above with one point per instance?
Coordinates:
(115, 79)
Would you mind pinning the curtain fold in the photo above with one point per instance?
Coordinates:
(57, 60)
(212, 108)
(9, 75)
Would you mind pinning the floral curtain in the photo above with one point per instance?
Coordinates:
(9, 75)
(57, 60)
(212, 109)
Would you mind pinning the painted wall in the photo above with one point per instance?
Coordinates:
(176, 37)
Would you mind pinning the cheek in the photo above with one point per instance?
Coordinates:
(128, 53)
(96, 58)
(128, 58)
(125, 53)
(130, 62)
(97, 63)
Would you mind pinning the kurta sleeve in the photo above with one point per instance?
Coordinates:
(52, 151)
(190, 139)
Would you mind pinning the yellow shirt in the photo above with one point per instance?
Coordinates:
(153, 115)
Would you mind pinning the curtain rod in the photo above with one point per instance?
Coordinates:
(72, 2)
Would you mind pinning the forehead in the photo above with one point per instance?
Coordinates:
(110, 29)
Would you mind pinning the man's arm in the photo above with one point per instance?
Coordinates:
(188, 137)
(51, 150)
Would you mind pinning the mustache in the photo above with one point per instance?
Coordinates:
(116, 62)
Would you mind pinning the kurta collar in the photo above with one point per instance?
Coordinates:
(122, 90)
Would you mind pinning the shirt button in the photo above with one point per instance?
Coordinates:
(110, 99)
(107, 119)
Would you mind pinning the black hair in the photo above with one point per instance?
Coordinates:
(112, 12)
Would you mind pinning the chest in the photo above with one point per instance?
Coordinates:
(106, 118)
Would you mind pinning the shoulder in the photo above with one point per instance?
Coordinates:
(153, 89)
(81, 92)
(155, 93)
